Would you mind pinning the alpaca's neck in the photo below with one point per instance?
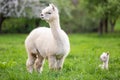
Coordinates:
(56, 31)
(55, 25)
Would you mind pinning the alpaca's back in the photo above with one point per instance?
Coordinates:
(32, 39)
(41, 39)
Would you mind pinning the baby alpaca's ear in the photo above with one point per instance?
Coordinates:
(107, 52)
(52, 6)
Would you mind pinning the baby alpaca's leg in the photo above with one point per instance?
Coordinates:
(39, 63)
(52, 62)
(30, 62)
(106, 65)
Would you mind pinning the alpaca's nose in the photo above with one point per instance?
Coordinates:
(41, 14)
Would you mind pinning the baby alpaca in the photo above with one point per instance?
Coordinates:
(51, 43)
(105, 59)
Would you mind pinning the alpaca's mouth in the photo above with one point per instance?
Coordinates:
(42, 18)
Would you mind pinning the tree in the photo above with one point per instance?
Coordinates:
(19, 8)
(113, 9)
(106, 11)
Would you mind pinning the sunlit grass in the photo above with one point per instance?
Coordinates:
(81, 64)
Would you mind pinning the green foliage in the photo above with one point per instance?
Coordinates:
(65, 7)
(82, 17)
(20, 25)
(14, 25)
(81, 64)
(103, 8)
(113, 8)
(105, 12)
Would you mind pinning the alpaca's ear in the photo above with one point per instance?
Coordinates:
(53, 6)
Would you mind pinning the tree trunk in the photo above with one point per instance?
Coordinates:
(112, 28)
(1, 21)
(112, 23)
(106, 25)
(100, 28)
(0, 25)
(75, 2)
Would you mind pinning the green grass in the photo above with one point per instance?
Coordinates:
(81, 64)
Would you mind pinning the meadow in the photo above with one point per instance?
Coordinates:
(81, 64)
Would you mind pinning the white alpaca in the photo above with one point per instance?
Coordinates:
(105, 59)
(51, 43)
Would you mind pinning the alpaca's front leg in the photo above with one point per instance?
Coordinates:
(39, 64)
(30, 62)
(52, 62)
(60, 63)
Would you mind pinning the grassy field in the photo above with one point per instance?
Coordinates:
(81, 64)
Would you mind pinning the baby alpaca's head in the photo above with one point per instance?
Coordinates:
(50, 13)
(104, 57)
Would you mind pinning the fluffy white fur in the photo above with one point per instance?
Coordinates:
(51, 43)
(105, 59)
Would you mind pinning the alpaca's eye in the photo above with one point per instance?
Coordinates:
(48, 12)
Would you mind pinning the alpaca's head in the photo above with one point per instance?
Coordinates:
(50, 13)
(104, 57)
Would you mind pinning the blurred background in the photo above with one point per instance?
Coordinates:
(76, 16)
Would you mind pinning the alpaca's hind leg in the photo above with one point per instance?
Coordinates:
(52, 62)
(30, 62)
(60, 63)
(39, 63)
